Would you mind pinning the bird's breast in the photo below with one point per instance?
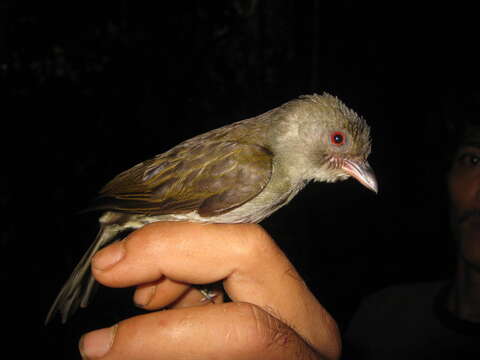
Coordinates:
(276, 194)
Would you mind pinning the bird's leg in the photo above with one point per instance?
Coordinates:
(208, 295)
(211, 292)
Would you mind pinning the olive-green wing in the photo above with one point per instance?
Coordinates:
(212, 178)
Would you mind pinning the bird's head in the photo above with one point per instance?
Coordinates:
(324, 140)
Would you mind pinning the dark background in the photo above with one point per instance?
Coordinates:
(90, 88)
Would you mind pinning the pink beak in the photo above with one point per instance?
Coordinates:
(361, 171)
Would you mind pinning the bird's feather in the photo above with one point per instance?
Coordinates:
(210, 178)
(241, 172)
(79, 287)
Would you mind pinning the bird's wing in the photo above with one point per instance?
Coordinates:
(212, 178)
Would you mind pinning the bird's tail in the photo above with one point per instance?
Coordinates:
(79, 286)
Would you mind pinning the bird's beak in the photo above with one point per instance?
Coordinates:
(361, 171)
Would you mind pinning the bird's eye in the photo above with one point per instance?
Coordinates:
(337, 138)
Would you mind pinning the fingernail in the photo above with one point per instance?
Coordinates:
(144, 295)
(109, 256)
(97, 343)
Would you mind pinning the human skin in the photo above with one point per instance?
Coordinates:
(464, 190)
(273, 315)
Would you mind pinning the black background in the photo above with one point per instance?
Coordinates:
(91, 88)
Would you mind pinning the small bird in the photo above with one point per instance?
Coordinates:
(239, 173)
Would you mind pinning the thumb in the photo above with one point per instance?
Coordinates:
(232, 331)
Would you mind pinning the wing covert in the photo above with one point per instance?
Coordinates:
(212, 178)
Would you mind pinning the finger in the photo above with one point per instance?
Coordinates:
(160, 293)
(244, 256)
(231, 331)
(184, 252)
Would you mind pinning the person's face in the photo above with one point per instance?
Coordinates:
(464, 190)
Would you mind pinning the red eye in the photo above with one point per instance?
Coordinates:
(337, 138)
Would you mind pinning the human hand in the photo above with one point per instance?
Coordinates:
(272, 315)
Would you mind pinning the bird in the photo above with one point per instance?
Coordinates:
(239, 173)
